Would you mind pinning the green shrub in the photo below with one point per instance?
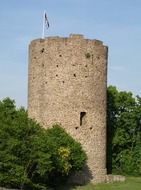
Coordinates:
(32, 157)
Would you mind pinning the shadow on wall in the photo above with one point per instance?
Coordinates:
(82, 177)
(109, 145)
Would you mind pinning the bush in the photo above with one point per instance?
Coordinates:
(32, 157)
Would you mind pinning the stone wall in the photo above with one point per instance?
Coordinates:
(67, 85)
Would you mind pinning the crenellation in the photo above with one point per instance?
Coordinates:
(97, 42)
(76, 36)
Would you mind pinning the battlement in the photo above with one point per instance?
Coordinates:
(72, 37)
(76, 36)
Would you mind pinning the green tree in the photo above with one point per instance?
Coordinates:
(32, 157)
(124, 131)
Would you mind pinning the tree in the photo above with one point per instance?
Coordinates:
(32, 157)
(124, 131)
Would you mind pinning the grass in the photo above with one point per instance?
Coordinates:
(131, 183)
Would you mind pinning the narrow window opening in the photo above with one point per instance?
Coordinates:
(56, 75)
(76, 127)
(60, 55)
(82, 118)
(74, 75)
(56, 65)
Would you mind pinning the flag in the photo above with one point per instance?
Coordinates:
(46, 21)
(45, 24)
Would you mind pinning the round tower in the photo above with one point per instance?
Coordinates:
(67, 85)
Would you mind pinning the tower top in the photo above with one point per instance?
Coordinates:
(71, 37)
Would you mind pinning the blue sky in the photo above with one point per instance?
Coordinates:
(116, 22)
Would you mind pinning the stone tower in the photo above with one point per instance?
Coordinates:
(67, 85)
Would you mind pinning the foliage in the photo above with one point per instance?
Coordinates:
(32, 157)
(124, 132)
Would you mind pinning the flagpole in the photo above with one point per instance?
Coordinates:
(43, 27)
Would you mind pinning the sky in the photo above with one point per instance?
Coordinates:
(115, 22)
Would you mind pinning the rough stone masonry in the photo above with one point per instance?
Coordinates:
(67, 85)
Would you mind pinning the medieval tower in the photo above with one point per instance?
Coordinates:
(67, 85)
